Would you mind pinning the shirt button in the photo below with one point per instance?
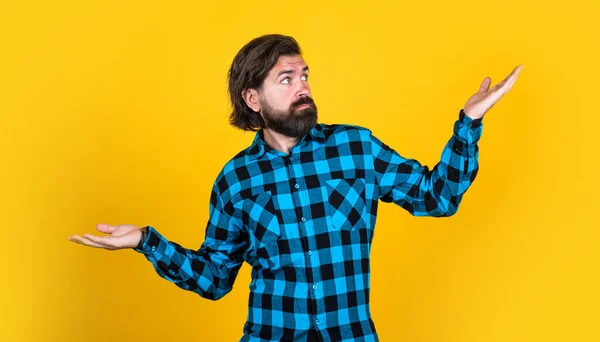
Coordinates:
(297, 186)
(153, 248)
(309, 252)
(314, 286)
(317, 322)
(303, 219)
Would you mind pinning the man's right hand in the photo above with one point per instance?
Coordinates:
(121, 237)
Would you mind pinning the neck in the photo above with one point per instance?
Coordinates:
(279, 141)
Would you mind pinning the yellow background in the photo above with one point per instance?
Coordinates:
(116, 112)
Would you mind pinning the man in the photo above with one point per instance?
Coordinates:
(299, 205)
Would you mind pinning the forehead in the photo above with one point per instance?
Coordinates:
(295, 63)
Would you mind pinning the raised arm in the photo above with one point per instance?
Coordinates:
(439, 191)
(423, 192)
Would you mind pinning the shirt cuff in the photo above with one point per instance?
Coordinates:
(467, 130)
(151, 243)
(467, 121)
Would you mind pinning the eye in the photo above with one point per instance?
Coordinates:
(286, 79)
(305, 77)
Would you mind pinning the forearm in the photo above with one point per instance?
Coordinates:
(425, 192)
(209, 276)
(440, 190)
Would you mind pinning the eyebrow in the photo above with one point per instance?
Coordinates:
(290, 71)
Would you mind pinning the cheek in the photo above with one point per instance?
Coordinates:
(282, 101)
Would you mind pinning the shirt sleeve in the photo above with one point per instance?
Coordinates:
(209, 271)
(423, 192)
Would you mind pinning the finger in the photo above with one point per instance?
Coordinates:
(510, 84)
(514, 71)
(495, 94)
(511, 79)
(503, 86)
(105, 240)
(105, 228)
(83, 241)
(498, 86)
(517, 70)
(510, 76)
(485, 85)
(514, 74)
(495, 88)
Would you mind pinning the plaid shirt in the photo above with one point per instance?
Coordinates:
(305, 222)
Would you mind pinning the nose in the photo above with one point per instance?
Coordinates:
(303, 90)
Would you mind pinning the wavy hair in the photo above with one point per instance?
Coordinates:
(249, 69)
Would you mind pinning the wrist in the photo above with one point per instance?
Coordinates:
(143, 235)
(469, 121)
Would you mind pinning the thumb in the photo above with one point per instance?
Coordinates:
(485, 85)
(105, 228)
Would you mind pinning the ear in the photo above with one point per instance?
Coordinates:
(252, 99)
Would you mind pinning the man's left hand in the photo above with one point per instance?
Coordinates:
(486, 98)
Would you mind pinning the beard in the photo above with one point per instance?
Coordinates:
(294, 122)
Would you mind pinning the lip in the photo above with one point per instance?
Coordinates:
(302, 106)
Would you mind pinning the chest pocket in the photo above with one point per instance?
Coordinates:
(259, 215)
(346, 205)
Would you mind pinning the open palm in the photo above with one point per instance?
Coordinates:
(121, 236)
(486, 98)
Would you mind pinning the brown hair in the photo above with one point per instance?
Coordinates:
(249, 69)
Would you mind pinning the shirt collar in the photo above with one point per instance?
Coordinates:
(259, 145)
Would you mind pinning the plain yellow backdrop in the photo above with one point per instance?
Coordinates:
(116, 112)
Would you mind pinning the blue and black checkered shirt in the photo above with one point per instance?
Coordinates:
(305, 221)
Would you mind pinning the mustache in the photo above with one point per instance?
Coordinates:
(301, 101)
